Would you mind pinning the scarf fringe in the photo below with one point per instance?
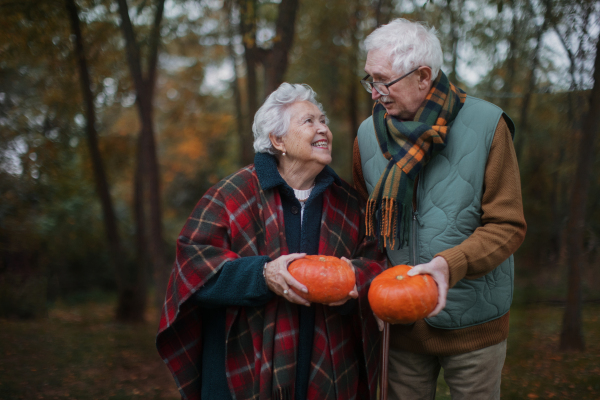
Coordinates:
(389, 224)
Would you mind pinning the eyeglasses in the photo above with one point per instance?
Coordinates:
(382, 87)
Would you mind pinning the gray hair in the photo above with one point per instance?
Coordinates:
(274, 116)
(411, 44)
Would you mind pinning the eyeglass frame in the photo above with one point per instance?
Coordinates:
(370, 85)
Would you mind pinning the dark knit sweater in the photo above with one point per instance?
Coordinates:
(241, 282)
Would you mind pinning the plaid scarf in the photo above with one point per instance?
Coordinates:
(409, 145)
(234, 219)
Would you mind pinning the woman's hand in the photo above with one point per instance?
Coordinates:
(353, 293)
(280, 281)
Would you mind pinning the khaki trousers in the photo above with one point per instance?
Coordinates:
(474, 376)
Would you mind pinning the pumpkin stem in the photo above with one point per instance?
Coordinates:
(400, 277)
(322, 259)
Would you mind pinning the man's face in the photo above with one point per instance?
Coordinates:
(405, 96)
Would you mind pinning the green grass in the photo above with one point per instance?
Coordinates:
(78, 352)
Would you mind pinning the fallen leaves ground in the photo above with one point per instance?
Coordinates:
(78, 352)
(535, 368)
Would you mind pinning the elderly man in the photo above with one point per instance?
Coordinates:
(441, 175)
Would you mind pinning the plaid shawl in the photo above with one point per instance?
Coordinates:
(236, 218)
(409, 145)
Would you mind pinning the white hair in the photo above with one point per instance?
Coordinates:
(410, 44)
(274, 116)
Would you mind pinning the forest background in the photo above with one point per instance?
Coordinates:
(117, 116)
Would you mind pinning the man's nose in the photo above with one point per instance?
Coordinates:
(375, 94)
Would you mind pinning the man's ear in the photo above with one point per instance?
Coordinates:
(277, 142)
(425, 78)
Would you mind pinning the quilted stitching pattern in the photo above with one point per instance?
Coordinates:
(449, 206)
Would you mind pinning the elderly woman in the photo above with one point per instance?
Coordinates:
(231, 327)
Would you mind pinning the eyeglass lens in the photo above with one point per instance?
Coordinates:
(380, 87)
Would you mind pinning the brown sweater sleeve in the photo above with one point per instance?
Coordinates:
(357, 174)
(503, 223)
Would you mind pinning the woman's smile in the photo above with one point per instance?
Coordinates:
(321, 143)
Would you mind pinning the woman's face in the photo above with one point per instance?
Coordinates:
(308, 140)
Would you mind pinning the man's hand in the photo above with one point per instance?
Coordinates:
(438, 269)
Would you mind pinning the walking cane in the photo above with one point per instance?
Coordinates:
(383, 367)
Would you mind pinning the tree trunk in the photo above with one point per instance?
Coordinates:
(130, 307)
(531, 81)
(237, 97)
(510, 75)
(147, 155)
(382, 10)
(135, 293)
(454, 41)
(352, 105)
(248, 32)
(276, 61)
(571, 337)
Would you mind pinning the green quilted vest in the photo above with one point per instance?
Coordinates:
(449, 195)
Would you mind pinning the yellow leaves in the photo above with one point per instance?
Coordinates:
(249, 41)
(213, 178)
(186, 149)
(184, 155)
(127, 123)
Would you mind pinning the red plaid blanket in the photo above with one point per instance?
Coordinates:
(236, 218)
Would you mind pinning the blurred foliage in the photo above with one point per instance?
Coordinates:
(51, 229)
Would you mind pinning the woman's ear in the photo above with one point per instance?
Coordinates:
(277, 142)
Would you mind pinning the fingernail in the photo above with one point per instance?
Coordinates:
(305, 290)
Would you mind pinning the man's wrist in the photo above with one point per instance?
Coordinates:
(457, 265)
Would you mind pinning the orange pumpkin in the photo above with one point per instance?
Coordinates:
(327, 278)
(398, 298)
